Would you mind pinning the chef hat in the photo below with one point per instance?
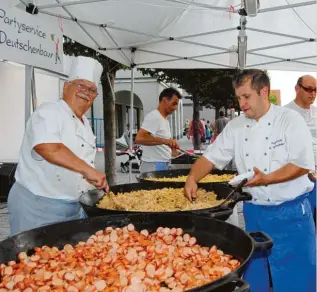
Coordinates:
(85, 68)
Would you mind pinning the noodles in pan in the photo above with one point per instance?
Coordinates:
(158, 200)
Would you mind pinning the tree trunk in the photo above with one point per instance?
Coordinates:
(109, 127)
(92, 119)
(196, 121)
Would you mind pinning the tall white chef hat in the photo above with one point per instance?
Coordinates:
(85, 68)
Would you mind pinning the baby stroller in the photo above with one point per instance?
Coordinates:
(134, 154)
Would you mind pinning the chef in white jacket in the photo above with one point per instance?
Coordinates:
(56, 163)
(273, 145)
(304, 104)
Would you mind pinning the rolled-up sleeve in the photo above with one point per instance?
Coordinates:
(44, 126)
(150, 123)
(221, 152)
(299, 142)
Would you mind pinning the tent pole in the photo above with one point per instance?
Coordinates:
(34, 97)
(131, 111)
(169, 39)
(28, 92)
(278, 34)
(288, 6)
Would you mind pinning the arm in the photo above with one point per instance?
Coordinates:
(218, 154)
(284, 174)
(45, 133)
(145, 138)
(200, 169)
(59, 154)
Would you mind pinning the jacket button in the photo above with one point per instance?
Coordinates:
(265, 169)
(248, 126)
(249, 170)
(92, 162)
(82, 145)
(247, 154)
(269, 124)
(267, 138)
(246, 139)
(265, 153)
(268, 200)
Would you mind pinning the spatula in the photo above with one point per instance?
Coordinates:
(239, 186)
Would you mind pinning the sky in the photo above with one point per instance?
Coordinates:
(285, 81)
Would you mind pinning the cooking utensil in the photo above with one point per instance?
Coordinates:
(235, 190)
(229, 238)
(189, 153)
(144, 177)
(90, 199)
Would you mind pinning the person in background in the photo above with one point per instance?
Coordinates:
(304, 104)
(208, 132)
(56, 163)
(201, 133)
(273, 144)
(203, 122)
(155, 133)
(220, 123)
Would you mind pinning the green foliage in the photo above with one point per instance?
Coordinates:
(212, 87)
(273, 99)
(73, 48)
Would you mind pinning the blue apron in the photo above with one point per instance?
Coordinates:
(28, 211)
(312, 198)
(153, 166)
(292, 260)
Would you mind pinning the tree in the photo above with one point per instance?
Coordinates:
(207, 87)
(110, 68)
(273, 99)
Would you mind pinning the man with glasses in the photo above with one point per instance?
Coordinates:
(56, 163)
(304, 104)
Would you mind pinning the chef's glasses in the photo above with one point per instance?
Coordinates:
(82, 87)
(307, 89)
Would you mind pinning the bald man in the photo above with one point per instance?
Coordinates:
(303, 103)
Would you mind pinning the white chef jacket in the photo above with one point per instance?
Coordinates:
(278, 138)
(310, 117)
(55, 122)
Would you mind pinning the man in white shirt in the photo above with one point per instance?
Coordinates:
(274, 143)
(56, 163)
(303, 103)
(155, 133)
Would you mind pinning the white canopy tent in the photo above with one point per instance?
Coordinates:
(190, 34)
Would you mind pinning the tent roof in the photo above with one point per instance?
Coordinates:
(190, 34)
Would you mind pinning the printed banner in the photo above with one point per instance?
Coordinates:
(27, 39)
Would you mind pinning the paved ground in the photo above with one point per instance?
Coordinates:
(122, 178)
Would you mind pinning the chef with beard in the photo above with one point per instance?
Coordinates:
(56, 163)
